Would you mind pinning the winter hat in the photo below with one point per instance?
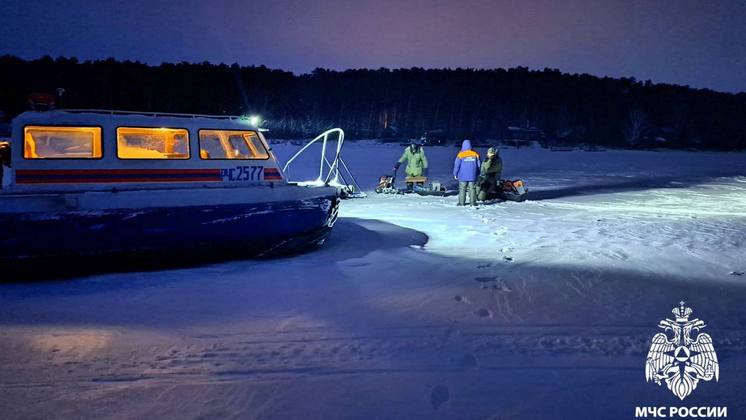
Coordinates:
(466, 145)
(494, 150)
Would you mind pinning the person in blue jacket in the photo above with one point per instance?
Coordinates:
(466, 171)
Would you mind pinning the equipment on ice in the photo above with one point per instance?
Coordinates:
(436, 189)
(512, 190)
(507, 190)
(386, 184)
(415, 181)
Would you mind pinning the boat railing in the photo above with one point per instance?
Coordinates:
(151, 114)
(334, 173)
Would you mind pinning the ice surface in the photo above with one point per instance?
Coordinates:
(414, 308)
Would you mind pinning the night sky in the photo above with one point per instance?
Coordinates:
(698, 43)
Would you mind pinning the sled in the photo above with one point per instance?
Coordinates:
(416, 180)
(434, 189)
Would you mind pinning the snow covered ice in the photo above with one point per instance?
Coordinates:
(414, 308)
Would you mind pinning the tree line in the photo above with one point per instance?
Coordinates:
(452, 104)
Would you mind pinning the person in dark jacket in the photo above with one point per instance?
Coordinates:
(466, 171)
(489, 176)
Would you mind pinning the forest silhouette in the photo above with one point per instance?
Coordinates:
(448, 104)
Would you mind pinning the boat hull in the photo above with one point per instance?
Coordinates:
(68, 242)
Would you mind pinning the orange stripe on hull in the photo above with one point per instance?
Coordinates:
(114, 180)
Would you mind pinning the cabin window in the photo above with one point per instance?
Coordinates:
(231, 144)
(152, 143)
(47, 142)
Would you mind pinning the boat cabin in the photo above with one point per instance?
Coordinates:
(63, 149)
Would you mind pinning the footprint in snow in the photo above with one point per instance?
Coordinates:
(501, 287)
(459, 298)
(450, 332)
(483, 266)
(485, 279)
(439, 396)
(736, 273)
(358, 264)
(483, 313)
(508, 259)
(469, 361)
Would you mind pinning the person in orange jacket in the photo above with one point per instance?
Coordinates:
(466, 171)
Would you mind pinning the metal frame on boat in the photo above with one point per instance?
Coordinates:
(335, 172)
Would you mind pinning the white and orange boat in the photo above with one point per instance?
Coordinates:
(94, 183)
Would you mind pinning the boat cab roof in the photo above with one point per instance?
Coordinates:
(113, 118)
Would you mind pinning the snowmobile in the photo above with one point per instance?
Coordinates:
(514, 190)
(386, 185)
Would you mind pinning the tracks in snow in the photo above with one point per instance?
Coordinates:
(310, 353)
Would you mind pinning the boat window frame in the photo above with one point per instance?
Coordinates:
(116, 142)
(267, 150)
(23, 142)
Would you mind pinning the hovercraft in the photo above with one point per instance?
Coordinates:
(83, 187)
